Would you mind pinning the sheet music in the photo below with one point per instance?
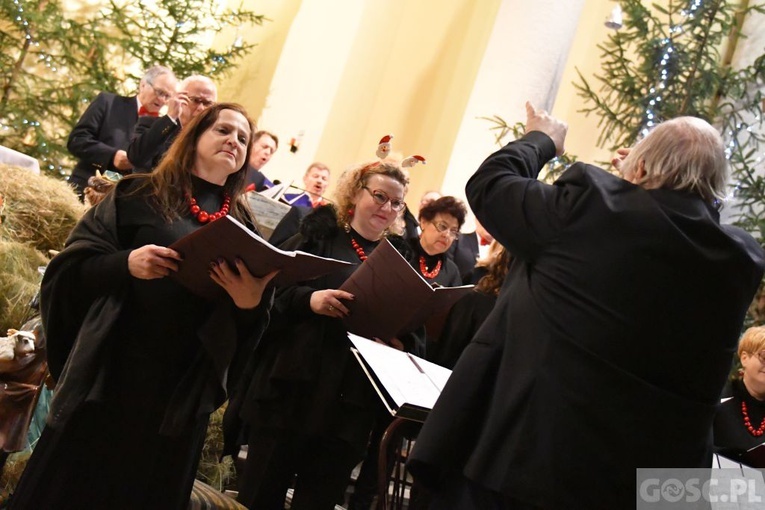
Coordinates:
(406, 382)
(276, 191)
(268, 212)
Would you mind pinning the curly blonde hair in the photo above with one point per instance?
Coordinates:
(354, 179)
(753, 340)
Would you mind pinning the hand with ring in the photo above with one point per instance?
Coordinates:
(329, 302)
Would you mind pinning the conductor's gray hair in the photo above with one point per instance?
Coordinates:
(685, 153)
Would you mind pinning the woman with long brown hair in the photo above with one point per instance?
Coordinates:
(140, 362)
(467, 314)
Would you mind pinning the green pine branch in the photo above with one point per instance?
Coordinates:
(52, 65)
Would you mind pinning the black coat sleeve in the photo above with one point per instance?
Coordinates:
(84, 142)
(148, 141)
(521, 212)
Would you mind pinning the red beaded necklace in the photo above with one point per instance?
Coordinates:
(204, 216)
(748, 424)
(424, 268)
(359, 250)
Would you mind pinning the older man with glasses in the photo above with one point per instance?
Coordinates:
(152, 136)
(101, 137)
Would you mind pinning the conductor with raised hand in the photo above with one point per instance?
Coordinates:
(574, 380)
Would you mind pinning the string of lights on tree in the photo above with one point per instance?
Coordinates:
(677, 69)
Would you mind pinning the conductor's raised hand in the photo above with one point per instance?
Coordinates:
(151, 261)
(245, 289)
(621, 155)
(329, 302)
(540, 120)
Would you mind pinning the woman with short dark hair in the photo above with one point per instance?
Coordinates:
(440, 222)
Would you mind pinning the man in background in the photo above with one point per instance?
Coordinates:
(101, 137)
(264, 144)
(612, 335)
(152, 136)
(315, 182)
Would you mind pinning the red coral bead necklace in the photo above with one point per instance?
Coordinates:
(424, 268)
(205, 217)
(748, 424)
(359, 250)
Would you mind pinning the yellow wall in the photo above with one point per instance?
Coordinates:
(408, 71)
(249, 83)
(409, 68)
(410, 74)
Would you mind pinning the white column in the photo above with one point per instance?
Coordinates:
(305, 82)
(524, 60)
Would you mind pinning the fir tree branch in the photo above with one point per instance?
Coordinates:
(7, 88)
(698, 57)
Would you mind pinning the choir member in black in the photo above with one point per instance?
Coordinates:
(309, 407)
(440, 221)
(740, 421)
(140, 361)
(464, 319)
(467, 314)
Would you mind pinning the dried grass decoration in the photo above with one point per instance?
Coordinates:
(19, 282)
(37, 209)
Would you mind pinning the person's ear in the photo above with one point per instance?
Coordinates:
(640, 172)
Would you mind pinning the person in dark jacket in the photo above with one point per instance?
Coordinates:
(152, 136)
(740, 420)
(264, 144)
(440, 221)
(575, 379)
(141, 362)
(101, 137)
(309, 407)
(469, 313)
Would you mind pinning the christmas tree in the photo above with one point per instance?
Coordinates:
(53, 62)
(670, 61)
(667, 61)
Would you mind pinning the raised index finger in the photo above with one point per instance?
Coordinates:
(530, 110)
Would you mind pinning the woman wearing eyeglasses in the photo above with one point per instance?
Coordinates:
(740, 421)
(309, 407)
(440, 223)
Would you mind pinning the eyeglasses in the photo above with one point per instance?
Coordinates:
(444, 228)
(381, 198)
(162, 94)
(200, 100)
